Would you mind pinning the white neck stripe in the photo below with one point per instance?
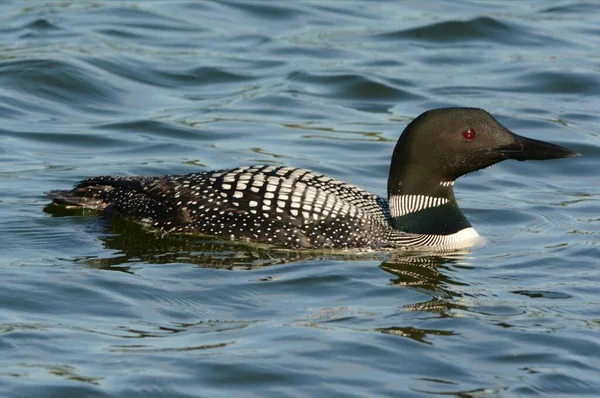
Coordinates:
(405, 204)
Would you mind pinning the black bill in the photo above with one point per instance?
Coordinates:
(523, 148)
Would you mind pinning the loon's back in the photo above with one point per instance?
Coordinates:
(278, 205)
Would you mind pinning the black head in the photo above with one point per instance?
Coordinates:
(444, 144)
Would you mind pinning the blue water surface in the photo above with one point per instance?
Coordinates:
(90, 308)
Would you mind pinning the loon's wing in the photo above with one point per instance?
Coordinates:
(273, 205)
(353, 195)
(376, 206)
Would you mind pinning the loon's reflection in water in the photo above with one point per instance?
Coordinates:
(428, 274)
(131, 243)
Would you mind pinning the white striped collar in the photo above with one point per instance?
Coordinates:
(405, 204)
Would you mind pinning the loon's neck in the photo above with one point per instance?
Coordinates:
(420, 193)
(426, 207)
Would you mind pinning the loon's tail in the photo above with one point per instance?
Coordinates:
(86, 198)
(92, 192)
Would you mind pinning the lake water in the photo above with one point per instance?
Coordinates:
(92, 309)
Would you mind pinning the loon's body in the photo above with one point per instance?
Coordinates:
(300, 209)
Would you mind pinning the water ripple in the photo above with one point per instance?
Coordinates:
(97, 308)
(484, 30)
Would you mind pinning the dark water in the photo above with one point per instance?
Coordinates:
(90, 309)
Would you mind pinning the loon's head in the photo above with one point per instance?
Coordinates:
(438, 147)
(443, 144)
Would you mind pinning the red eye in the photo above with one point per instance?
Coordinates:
(469, 134)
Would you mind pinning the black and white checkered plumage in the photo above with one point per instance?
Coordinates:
(297, 208)
(278, 205)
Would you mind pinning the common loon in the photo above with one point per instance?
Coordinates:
(297, 208)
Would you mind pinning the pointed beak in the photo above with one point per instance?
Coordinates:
(523, 148)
